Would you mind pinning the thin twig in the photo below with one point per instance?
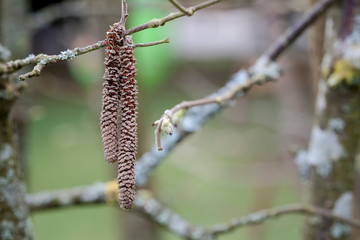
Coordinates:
(172, 16)
(166, 40)
(187, 11)
(100, 193)
(34, 73)
(157, 135)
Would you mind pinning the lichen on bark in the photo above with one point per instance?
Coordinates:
(330, 159)
(14, 220)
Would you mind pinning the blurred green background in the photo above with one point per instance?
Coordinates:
(240, 162)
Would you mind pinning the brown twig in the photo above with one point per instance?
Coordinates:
(261, 216)
(187, 11)
(172, 16)
(166, 40)
(145, 203)
(264, 70)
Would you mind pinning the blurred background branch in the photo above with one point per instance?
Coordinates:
(145, 203)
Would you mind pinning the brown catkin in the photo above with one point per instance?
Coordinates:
(111, 91)
(128, 127)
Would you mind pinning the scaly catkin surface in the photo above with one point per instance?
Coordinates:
(111, 92)
(128, 127)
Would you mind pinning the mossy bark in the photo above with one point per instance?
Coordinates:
(336, 132)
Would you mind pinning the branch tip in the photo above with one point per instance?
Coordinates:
(166, 40)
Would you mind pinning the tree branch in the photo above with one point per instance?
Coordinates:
(145, 203)
(172, 16)
(264, 69)
(45, 59)
(150, 44)
(292, 33)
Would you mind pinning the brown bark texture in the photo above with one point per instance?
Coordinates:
(14, 220)
(329, 164)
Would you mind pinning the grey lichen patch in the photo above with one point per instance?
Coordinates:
(93, 193)
(264, 69)
(337, 124)
(28, 59)
(5, 152)
(7, 230)
(321, 98)
(67, 55)
(6, 180)
(324, 149)
(302, 164)
(4, 53)
(343, 207)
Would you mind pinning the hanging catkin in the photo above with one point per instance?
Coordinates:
(111, 91)
(128, 126)
(120, 93)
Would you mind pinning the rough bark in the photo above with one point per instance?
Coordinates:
(14, 220)
(328, 166)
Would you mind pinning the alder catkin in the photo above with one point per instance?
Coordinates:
(120, 96)
(111, 91)
(128, 127)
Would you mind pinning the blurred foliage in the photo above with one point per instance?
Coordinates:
(154, 64)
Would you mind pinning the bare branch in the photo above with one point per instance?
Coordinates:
(45, 59)
(263, 70)
(150, 44)
(187, 11)
(34, 73)
(292, 33)
(273, 52)
(145, 203)
(172, 16)
(264, 215)
(56, 11)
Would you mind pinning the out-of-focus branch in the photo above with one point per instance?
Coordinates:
(56, 11)
(263, 215)
(264, 70)
(42, 60)
(145, 203)
(292, 33)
